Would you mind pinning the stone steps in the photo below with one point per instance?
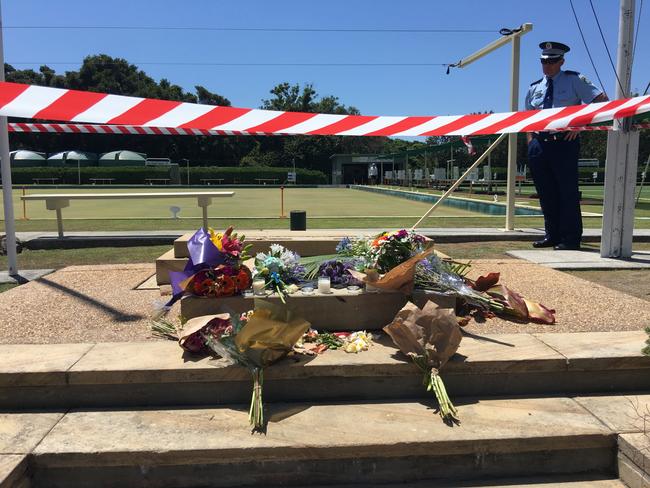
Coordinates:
(369, 442)
(143, 414)
(158, 373)
(526, 442)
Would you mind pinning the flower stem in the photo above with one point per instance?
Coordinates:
(256, 411)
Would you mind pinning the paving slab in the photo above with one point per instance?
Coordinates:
(221, 434)
(38, 364)
(24, 275)
(144, 362)
(584, 259)
(600, 350)
(20, 433)
(12, 470)
(621, 413)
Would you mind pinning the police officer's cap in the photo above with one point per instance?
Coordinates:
(553, 50)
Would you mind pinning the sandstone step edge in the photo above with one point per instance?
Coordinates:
(498, 437)
(158, 373)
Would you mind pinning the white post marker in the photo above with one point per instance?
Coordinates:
(512, 138)
(7, 194)
(622, 154)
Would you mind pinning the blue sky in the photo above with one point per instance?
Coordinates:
(375, 90)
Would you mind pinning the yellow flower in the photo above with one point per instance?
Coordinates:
(216, 239)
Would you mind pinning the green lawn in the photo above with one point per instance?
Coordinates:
(60, 258)
(259, 208)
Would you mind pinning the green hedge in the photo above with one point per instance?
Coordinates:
(136, 175)
(132, 175)
(248, 174)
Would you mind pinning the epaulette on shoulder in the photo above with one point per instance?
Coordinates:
(572, 73)
(535, 82)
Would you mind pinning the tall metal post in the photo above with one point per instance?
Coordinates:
(512, 138)
(7, 194)
(622, 154)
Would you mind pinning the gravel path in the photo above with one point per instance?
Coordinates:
(101, 304)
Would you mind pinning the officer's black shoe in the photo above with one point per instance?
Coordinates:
(567, 247)
(544, 243)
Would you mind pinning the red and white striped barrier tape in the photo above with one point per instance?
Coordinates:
(170, 131)
(116, 129)
(36, 102)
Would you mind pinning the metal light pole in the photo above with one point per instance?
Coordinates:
(7, 194)
(622, 154)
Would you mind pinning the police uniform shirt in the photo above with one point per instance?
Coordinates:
(569, 88)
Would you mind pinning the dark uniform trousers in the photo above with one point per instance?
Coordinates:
(554, 166)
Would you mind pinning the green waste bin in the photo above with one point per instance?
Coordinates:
(298, 220)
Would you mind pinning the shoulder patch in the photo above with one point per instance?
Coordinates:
(572, 73)
(535, 82)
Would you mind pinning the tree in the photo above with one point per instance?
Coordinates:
(208, 98)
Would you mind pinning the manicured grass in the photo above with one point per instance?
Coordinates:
(246, 202)
(60, 258)
(259, 208)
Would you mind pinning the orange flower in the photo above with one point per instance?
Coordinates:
(242, 279)
(227, 287)
(203, 287)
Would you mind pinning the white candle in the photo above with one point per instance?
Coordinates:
(258, 286)
(324, 284)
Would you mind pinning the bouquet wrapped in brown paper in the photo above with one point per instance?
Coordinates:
(429, 336)
(400, 278)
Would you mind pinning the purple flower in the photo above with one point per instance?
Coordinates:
(337, 271)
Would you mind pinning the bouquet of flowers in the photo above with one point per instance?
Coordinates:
(221, 281)
(447, 277)
(390, 249)
(383, 252)
(429, 336)
(215, 267)
(254, 340)
(484, 294)
(338, 272)
(279, 268)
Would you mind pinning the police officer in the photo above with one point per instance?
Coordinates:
(553, 156)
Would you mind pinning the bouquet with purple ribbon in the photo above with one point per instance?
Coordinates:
(214, 267)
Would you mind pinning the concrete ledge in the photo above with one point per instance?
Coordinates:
(582, 259)
(24, 275)
(159, 373)
(402, 442)
(166, 263)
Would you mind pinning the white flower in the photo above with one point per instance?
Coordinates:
(276, 249)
